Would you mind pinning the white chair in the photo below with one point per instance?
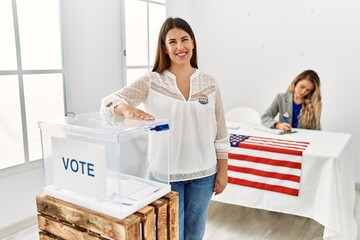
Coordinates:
(243, 115)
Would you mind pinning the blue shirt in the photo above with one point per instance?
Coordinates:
(296, 114)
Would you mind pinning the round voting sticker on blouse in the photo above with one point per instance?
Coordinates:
(203, 99)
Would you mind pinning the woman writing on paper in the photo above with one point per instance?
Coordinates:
(299, 107)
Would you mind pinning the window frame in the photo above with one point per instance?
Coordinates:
(27, 164)
(149, 63)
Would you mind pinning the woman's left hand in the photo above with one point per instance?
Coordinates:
(220, 181)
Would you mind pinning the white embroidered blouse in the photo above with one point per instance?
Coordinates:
(198, 133)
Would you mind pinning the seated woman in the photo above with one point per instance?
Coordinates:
(299, 107)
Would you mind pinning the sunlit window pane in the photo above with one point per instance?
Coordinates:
(7, 39)
(43, 100)
(157, 15)
(136, 33)
(11, 140)
(39, 29)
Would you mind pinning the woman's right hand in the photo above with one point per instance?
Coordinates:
(283, 126)
(132, 112)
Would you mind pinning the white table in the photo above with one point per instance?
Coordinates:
(327, 187)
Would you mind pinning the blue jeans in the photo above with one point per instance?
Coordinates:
(194, 200)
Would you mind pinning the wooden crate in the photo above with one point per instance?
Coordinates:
(58, 219)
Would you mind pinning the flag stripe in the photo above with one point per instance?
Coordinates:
(264, 167)
(270, 144)
(271, 149)
(271, 181)
(263, 154)
(268, 161)
(264, 186)
(261, 173)
(280, 140)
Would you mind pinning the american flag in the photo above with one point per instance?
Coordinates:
(266, 163)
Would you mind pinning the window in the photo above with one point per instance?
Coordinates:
(31, 78)
(143, 19)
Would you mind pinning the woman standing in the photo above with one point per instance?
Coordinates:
(177, 90)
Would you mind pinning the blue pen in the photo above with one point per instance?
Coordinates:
(286, 117)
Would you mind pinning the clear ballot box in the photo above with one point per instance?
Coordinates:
(109, 164)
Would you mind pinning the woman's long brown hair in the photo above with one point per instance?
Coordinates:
(162, 60)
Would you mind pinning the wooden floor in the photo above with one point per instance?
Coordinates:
(235, 222)
(231, 222)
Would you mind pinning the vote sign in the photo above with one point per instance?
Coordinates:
(79, 166)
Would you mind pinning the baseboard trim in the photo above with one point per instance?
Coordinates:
(12, 229)
(357, 186)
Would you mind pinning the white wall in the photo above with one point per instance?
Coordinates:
(17, 201)
(92, 51)
(256, 48)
